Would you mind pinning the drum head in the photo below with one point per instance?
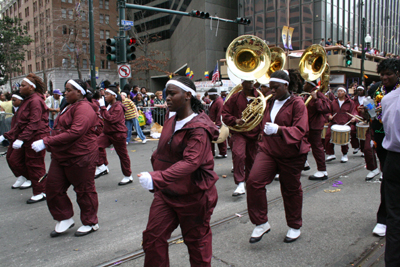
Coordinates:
(340, 128)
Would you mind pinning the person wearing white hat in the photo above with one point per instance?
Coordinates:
(53, 103)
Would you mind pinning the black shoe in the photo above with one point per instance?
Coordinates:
(55, 234)
(290, 240)
(314, 178)
(101, 174)
(256, 239)
(121, 183)
(221, 156)
(306, 168)
(30, 201)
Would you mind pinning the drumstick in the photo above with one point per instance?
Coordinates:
(334, 115)
(44, 176)
(348, 122)
(355, 116)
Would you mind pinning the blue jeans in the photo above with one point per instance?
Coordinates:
(135, 124)
(51, 124)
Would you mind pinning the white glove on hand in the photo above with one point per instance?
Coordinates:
(1, 138)
(38, 145)
(17, 144)
(146, 181)
(271, 128)
(372, 143)
(102, 102)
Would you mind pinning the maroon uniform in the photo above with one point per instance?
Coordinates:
(317, 108)
(31, 124)
(115, 133)
(284, 154)
(185, 193)
(244, 144)
(74, 153)
(341, 118)
(215, 112)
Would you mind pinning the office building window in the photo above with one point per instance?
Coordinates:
(27, 12)
(63, 13)
(106, 4)
(107, 34)
(101, 19)
(70, 14)
(29, 68)
(29, 55)
(101, 34)
(64, 29)
(103, 64)
(100, 3)
(83, 32)
(84, 47)
(102, 50)
(84, 63)
(107, 19)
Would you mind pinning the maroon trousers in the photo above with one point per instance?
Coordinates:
(81, 176)
(28, 163)
(329, 147)
(369, 153)
(119, 142)
(222, 147)
(244, 151)
(314, 138)
(192, 214)
(263, 173)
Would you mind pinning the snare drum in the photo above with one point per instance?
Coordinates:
(340, 134)
(323, 133)
(362, 129)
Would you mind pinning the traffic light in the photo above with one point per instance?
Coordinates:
(243, 21)
(112, 49)
(199, 14)
(348, 57)
(130, 49)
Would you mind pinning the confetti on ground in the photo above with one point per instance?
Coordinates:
(238, 215)
(180, 241)
(76, 249)
(332, 191)
(224, 176)
(133, 150)
(116, 200)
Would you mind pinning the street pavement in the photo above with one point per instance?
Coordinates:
(336, 225)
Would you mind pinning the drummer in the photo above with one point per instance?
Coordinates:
(214, 112)
(338, 115)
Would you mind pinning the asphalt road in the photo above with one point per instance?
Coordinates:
(336, 226)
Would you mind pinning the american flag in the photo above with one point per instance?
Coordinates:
(215, 76)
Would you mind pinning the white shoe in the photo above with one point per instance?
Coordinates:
(221, 156)
(64, 225)
(86, 229)
(372, 174)
(144, 141)
(292, 235)
(319, 176)
(355, 151)
(127, 143)
(330, 158)
(240, 190)
(381, 177)
(259, 231)
(276, 178)
(36, 198)
(126, 180)
(27, 184)
(379, 230)
(20, 180)
(344, 159)
(101, 170)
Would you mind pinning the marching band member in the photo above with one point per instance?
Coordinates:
(283, 149)
(317, 108)
(214, 113)
(31, 124)
(115, 132)
(244, 144)
(340, 107)
(183, 179)
(265, 89)
(74, 153)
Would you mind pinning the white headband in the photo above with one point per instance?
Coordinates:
(277, 80)
(287, 73)
(111, 92)
(313, 84)
(341, 88)
(77, 86)
(28, 81)
(213, 93)
(182, 86)
(360, 87)
(18, 97)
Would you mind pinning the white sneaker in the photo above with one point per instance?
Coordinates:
(27, 184)
(372, 174)
(355, 151)
(292, 235)
(64, 225)
(379, 230)
(101, 170)
(259, 231)
(20, 180)
(330, 158)
(240, 190)
(344, 159)
(276, 178)
(36, 198)
(144, 141)
(126, 180)
(86, 229)
(381, 177)
(319, 176)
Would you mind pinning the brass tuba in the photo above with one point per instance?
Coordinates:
(312, 64)
(248, 57)
(278, 60)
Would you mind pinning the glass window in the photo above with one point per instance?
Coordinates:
(282, 18)
(101, 18)
(307, 15)
(108, 64)
(259, 23)
(270, 36)
(248, 10)
(334, 14)
(70, 14)
(270, 20)
(340, 3)
(101, 34)
(294, 2)
(107, 19)
(307, 31)
(271, 5)
(294, 16)
(260, 34)
(328, 12)
(103, 64)
(307, 1)
(107, 34)
(282, 3)
(106, 4)
(334, 36)
(63, 13)
(84, 63)
(83, 32)
(259, 6)
(296, 33)
(341, 18)
(83, 15)
(63, 1)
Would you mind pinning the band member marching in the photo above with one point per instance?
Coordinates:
(31, 124)
(214, 113)
(244, 144)
(74, 153)
(183, 179)
(283, 150)
(317, 108)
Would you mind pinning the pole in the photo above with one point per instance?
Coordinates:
(363, 43)
(91, 46)
(122, 40)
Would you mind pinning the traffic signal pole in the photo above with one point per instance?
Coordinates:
(121, 40)
(91, 45)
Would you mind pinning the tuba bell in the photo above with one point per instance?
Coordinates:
(278, 60)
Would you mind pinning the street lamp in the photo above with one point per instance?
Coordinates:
(366, 40)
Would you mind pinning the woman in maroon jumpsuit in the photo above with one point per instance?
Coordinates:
(31, 124)
(183, 179)
(283, 149)
(74, 153)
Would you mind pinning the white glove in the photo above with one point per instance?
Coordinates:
(102, 102)
(17, 144)
(271, 128)
(372, 143)
(38, 145)
(1, 138)
(146, 181)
